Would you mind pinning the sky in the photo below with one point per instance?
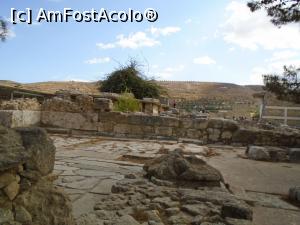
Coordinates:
(211, 41)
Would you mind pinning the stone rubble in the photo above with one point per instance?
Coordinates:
(30, 104)
(137, 200)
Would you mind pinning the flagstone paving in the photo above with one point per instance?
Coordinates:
(89, 166)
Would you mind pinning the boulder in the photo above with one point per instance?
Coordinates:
(238, 211)
(257, 153)
(175, 167)
(40, 148)
(294, 155)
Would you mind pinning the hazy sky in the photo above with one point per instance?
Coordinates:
(216, 40)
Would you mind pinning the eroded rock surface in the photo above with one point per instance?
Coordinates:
(139, 201)
(175, 167)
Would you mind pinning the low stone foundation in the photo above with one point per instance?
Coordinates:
(145, 126)
(118, 124)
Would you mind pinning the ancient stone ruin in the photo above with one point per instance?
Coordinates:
(27, 194)
(71, 159)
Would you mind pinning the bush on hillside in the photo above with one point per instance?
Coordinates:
(130, 78)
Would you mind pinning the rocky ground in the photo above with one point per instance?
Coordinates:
(104, 179)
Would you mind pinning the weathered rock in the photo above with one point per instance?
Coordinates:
(31, 104)
(103, 104)
(60, 105)
(6, 215)
(277, 154)
(294, 194)
(12, 190)
(175, 167)
(6, 179)
(166, 202)
(128, 220)
(89, 219)
(41, 149)
(294, 155)
(22, 215)
(235, 210)
(232, 221)
(257, 153)
(12, 152)
(47, 205)
(172, 211)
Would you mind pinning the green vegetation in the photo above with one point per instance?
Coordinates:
(282, 12)
(285, 87)
(127, 103)
(130, 79)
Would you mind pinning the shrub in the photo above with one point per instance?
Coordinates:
(130, 78)
(127, 103)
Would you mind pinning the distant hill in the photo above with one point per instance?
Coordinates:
(176, 89)
(210, 90)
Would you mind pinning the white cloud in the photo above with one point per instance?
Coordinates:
(148, 38)
(205, 60)
(165, 31)
(97, 60)
(232, 49)
(283, 55)
(188, 21)
(274, 65)
(136, 40)
(174, 69)
(254, 30)
(167, 72)
(105, 46)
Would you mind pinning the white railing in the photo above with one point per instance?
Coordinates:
(285, 116)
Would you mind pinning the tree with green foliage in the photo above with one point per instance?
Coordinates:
(129, 78)
(127, 103)
(281, 11)
(3, 30)
(285, 87)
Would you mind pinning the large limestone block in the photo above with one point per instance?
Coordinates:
(40, 148)
(258, 153)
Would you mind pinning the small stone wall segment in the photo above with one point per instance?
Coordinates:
(27, 195)
(147, 126)
(19, 118)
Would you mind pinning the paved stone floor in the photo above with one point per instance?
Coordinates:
(89, 166)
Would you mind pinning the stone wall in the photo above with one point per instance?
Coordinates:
(19, 118)
(27, 195)
(146, 126)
